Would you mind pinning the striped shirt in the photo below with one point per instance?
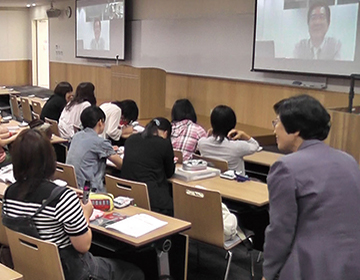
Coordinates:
(62, 218)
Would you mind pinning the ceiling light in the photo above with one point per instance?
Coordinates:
(28, 5)
(33, 4)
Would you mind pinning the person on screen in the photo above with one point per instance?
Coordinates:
(98, 43)
(318, 46)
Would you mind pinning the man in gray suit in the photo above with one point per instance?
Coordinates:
(314, 230)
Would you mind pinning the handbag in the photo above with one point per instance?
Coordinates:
(25, 224)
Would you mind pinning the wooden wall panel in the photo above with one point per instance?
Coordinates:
(77, 73)
(251, 101)
(15, 72)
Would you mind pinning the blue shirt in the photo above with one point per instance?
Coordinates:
(88, 153)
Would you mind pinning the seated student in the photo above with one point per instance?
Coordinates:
(149, 158)
(185, 131)
(70, 116)
(88, 152)
(66, 219)
(119, 114)
(225, 142)
(52, 109)
(6, 137)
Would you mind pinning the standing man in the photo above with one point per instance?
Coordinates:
(318, 46)
(314, 198)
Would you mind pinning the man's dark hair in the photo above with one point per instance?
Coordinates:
(129, 109)
(316, 5)
(152, 127)
(91, 116)
(84, 92)
(183, 110)
(223, 119)
(63, 88)
(304, 114)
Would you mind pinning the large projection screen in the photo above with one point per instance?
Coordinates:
(100, 31)
(305, 36)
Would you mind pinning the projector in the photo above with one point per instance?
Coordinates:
(53, 13)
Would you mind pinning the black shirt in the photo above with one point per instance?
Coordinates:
(151, 161)
(53, 107)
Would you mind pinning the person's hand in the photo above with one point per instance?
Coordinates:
(263, 278)
(116, 148)
(237, 135)
(209, 132)
(88, 208)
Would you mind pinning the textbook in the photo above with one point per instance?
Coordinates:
(187, 175)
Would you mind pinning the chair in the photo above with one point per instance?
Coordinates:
(35, 258)
(9, 274)
(54, 126)
(136, 190)
(214, 162)
(26, 109)
(203, 209)
(15, 111)
(66, 172)
(36, 107)
(179, 155)
(36, 116)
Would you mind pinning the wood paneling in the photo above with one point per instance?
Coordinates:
(15, 72)
(76, 73)
(252, 102)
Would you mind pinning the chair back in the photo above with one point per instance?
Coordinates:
(3, 237)
(136, 190)
(36, 116)
(203, 209)
(179, 155)
(26, 109)
(36, 107)
(15, 111)
(66, 172)
(9, 274)
(214, 162)
(34, 258)
(54, 126)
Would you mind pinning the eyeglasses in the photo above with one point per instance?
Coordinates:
(275, 122)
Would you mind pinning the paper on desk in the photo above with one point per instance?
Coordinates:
(137, 225)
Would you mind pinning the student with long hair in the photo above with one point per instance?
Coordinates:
(149, 158)
(65, 221)
(52, 109)
(70, 116)
(185, 131)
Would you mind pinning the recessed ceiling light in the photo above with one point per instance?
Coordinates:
(28, 5)
(33, 4)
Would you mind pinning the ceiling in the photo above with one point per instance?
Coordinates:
(23, 3)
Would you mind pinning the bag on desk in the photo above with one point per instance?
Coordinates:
(25, 224)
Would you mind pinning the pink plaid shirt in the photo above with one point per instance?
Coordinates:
(185, 136)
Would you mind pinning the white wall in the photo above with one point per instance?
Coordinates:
(15, 34)
(231, 21)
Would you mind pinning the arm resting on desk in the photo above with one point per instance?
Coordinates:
(115, 159)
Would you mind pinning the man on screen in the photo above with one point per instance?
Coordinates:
(98, 43)
(318, 46)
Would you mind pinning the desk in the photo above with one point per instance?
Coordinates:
(174, 226)
(258, 164)
(9, 274)
(250, 192)
(263, 158)
(5, 91)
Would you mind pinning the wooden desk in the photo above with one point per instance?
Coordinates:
(174, 226)
(263, 158)
(250, 192)
(9, 274)
(5, 91)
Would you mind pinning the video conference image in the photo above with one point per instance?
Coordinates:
(307, 36)
(100, 29)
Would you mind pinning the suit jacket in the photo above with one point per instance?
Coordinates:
(314, 230)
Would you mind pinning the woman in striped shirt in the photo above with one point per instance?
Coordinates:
(65, 220)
